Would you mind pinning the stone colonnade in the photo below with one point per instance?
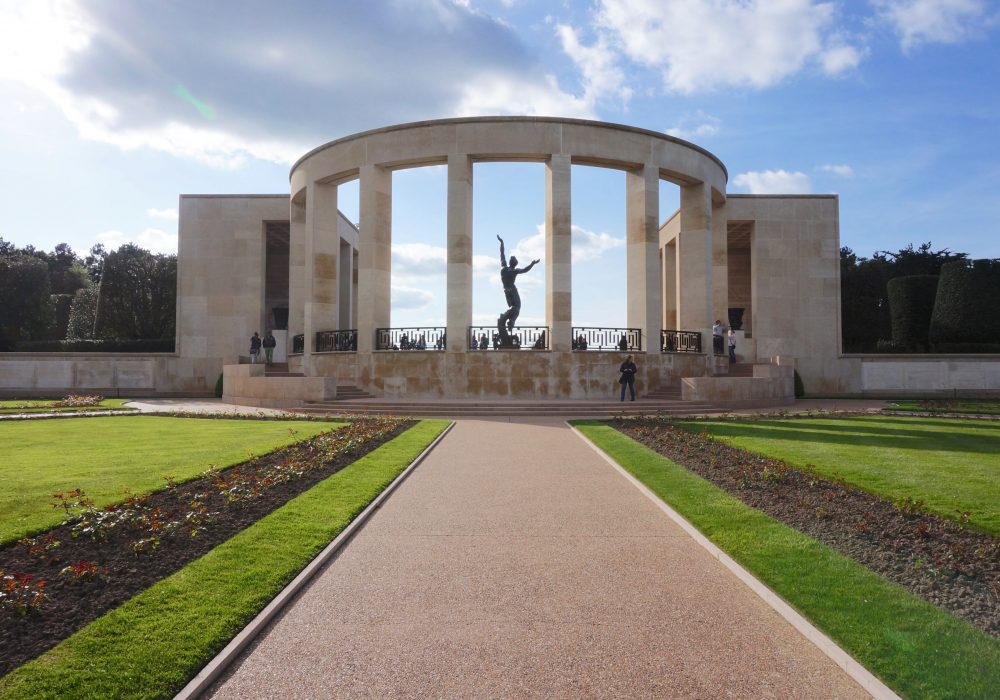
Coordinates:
(647, 157)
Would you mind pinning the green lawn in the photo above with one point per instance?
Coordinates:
(48, 406)
(915, 648)
(105, 455)
(153, 644)
(950, 464)
(983, 408)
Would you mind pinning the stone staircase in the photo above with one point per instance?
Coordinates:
(347, 392)
(740, 369)
(280, 369)
(502, 408)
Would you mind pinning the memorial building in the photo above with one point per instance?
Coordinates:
(766, 266)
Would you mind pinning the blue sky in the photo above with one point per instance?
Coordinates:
(114, 108)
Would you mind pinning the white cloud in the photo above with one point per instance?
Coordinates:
(586, 245)
(168, 214)
(774, 182)
(503, 93)
(699, 45)
(485, 266)
(934, 21)
(174, 78)
(841, 170)
(152, 239)
(598, 65)
(695, 126)
(415, 260)
(840, 59)
(410, 298)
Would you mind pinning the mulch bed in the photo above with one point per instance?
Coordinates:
(940, 560)
(153, 537)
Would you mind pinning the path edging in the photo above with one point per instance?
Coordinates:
(861, 675)
(214, 668)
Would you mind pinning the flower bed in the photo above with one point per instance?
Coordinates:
(940, 560)
(53, 584)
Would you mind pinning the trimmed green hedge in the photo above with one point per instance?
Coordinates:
(911, 303)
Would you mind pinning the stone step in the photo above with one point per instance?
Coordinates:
(740, 369)
(278, 373)
(508, 408)
(348, 392)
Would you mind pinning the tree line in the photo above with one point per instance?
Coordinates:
(107, 300)
(919, 300)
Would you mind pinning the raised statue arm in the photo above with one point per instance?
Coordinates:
(533, 263)
(503, 258)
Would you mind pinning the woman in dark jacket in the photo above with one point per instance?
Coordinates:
(628, 369)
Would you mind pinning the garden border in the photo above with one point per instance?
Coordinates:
(215, 668)
(861, 675)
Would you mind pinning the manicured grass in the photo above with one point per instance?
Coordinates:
(48, 406)
(915, 648)
(983, 408)
(950, 464)
(105, 455)
(153, 644)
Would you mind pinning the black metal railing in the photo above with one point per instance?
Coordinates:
(680, 341)
(336, 341)
(427, 338)
(298, 344)
(623, 339)
(522, 338)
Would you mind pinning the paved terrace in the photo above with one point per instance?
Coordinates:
(515, 562)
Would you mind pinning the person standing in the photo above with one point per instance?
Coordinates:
(254, 347)
(732, 346)
(717, 330)
(627, 379)
(269, 343)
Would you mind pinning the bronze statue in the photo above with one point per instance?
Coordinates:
(508, 274)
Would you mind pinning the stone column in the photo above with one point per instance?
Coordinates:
(694, 260)
(558, 253)
(345, 284)
(670, 285)
(720, 264)
(374, 254)
(322, 250)
(459, 252)
(296, 270)
(645, 277)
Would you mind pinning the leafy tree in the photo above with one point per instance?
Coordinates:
(137, 297)
(864, 303)
(908, 261)
(82, 314)
(94, 262)
(25, 307)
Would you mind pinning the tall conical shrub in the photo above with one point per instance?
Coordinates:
(966, 313)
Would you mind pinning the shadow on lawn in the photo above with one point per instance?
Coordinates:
(869, 432)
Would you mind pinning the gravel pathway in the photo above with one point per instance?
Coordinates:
(515, 562)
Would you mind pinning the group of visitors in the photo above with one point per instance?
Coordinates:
(267, 343)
